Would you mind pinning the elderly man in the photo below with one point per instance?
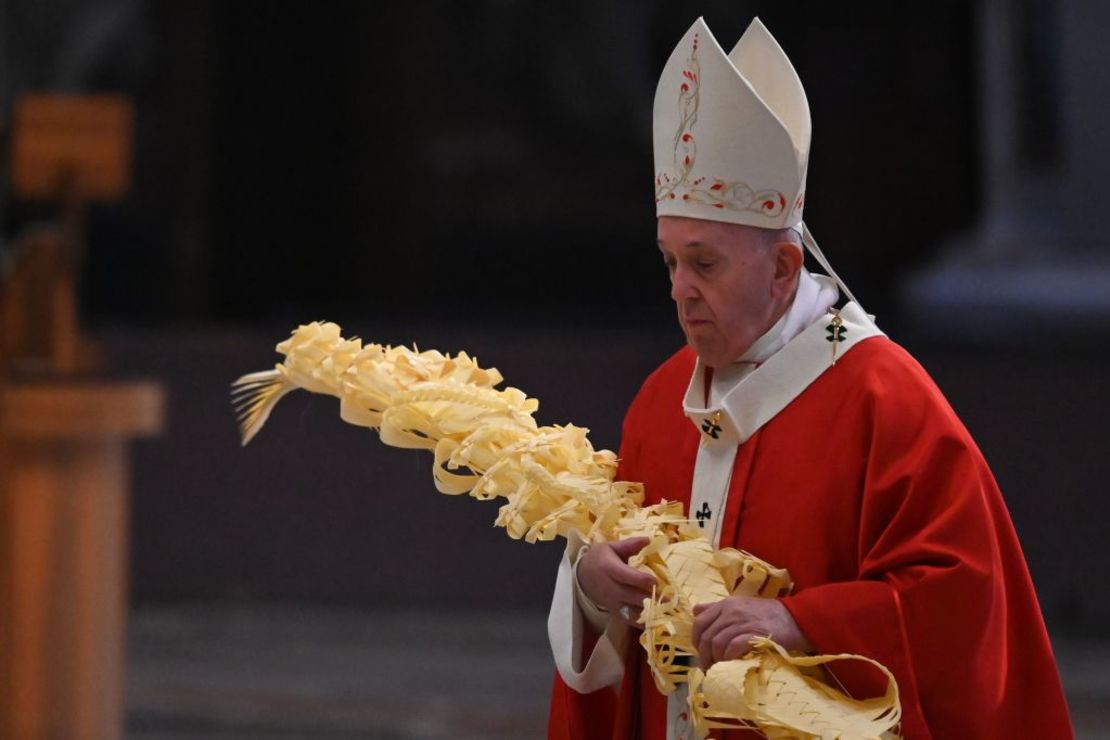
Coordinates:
(797, 431)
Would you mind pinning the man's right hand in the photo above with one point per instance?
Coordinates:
(607, 579)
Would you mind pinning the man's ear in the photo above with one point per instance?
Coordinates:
(788, 263)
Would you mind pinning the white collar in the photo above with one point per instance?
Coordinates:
(815, 295)
(757, 397)
(812, 300)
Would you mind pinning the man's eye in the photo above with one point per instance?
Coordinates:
(704, 265)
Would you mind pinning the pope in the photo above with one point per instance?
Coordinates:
(791, 427)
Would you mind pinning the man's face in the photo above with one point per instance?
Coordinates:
(722, 283)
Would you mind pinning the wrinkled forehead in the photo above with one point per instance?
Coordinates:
(675, 232)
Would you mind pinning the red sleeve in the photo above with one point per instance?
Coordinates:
(942, 597)
(575, 716)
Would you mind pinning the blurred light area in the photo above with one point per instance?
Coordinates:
(1011, 304)
(1035, 265)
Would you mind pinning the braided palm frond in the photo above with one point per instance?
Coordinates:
(780, 695)
(254, 396)
(486, 443)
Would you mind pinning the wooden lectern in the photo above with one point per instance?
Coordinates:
(64, 493)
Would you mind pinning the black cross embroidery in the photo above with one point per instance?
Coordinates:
(703, 515)
(713, 430)
(711, 426)
(836, 332)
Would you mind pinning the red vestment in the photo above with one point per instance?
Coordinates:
(871, 492)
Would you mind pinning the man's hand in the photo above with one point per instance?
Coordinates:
(723, 630)
(607, 579)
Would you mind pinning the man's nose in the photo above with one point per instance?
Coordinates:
(682, 287)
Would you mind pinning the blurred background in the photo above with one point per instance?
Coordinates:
(475, 176)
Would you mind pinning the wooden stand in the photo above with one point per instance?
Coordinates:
(64, 529)
(64, 493)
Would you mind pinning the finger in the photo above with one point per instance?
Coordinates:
(637, 579)
(738, 647)
(704, 615)
(615, 596)
(704, 640)
(633, 619)
(629, 547)
(629, 596)
(716, 635)
(705, 643)
(726, 639)
(629, 603)
(633, 596)
(712, 650)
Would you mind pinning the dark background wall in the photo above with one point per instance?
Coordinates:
(299, 158)
(477, 176)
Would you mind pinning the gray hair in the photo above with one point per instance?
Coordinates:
(771, 237)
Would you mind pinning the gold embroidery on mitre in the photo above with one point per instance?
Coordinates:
(707, 191)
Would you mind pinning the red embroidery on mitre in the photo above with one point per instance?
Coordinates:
(722, 194)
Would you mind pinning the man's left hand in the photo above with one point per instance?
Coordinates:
(723, 630)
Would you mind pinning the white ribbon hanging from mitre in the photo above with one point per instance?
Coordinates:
(731, 131)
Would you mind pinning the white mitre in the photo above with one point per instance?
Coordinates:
(731, 135)
(731, 131)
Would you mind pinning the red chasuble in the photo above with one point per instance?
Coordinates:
(870, 491)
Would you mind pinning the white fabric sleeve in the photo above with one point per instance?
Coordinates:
(566, 627)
